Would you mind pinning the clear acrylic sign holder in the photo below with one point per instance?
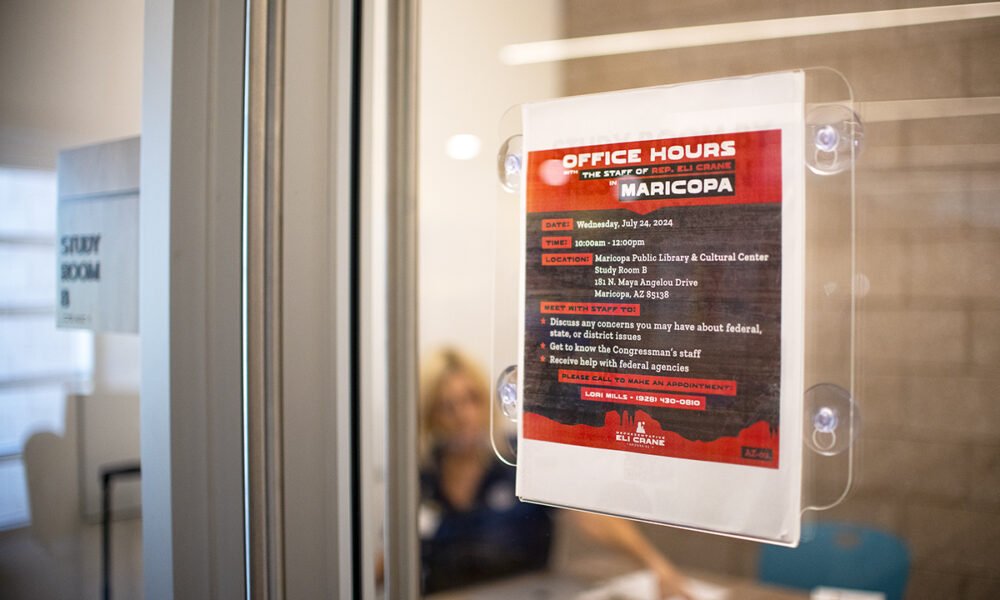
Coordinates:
(830, 408)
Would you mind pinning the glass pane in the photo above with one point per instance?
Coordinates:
(472, 528)
(27, 275)
(33, 347)
(924, 514)
(25, 411)
(70, 76)
(14, 509)
(26, 201)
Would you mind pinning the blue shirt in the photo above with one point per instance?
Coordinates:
(498, 535)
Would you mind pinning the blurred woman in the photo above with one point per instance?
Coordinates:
(472, 527)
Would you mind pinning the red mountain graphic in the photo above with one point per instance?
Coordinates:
(754, 445)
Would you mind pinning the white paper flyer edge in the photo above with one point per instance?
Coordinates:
(792, 370)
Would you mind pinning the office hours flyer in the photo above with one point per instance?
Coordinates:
(653, 290)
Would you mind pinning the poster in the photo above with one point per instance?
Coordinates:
(661, 361)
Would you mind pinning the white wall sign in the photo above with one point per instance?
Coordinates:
(97, 268)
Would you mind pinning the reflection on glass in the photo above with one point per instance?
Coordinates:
(68, 403)
(927, 216)
(473, 528)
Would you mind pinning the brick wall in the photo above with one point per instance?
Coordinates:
(928, 209)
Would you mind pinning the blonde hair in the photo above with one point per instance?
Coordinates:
(435, 369)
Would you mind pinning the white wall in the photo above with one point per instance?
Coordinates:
(465, 89)
(71, 75)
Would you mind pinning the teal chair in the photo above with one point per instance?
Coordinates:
(839, 555)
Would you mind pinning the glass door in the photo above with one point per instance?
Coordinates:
(387, 128)
(926, 91)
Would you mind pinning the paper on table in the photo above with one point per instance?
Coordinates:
(642, 585)
(829, 593)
